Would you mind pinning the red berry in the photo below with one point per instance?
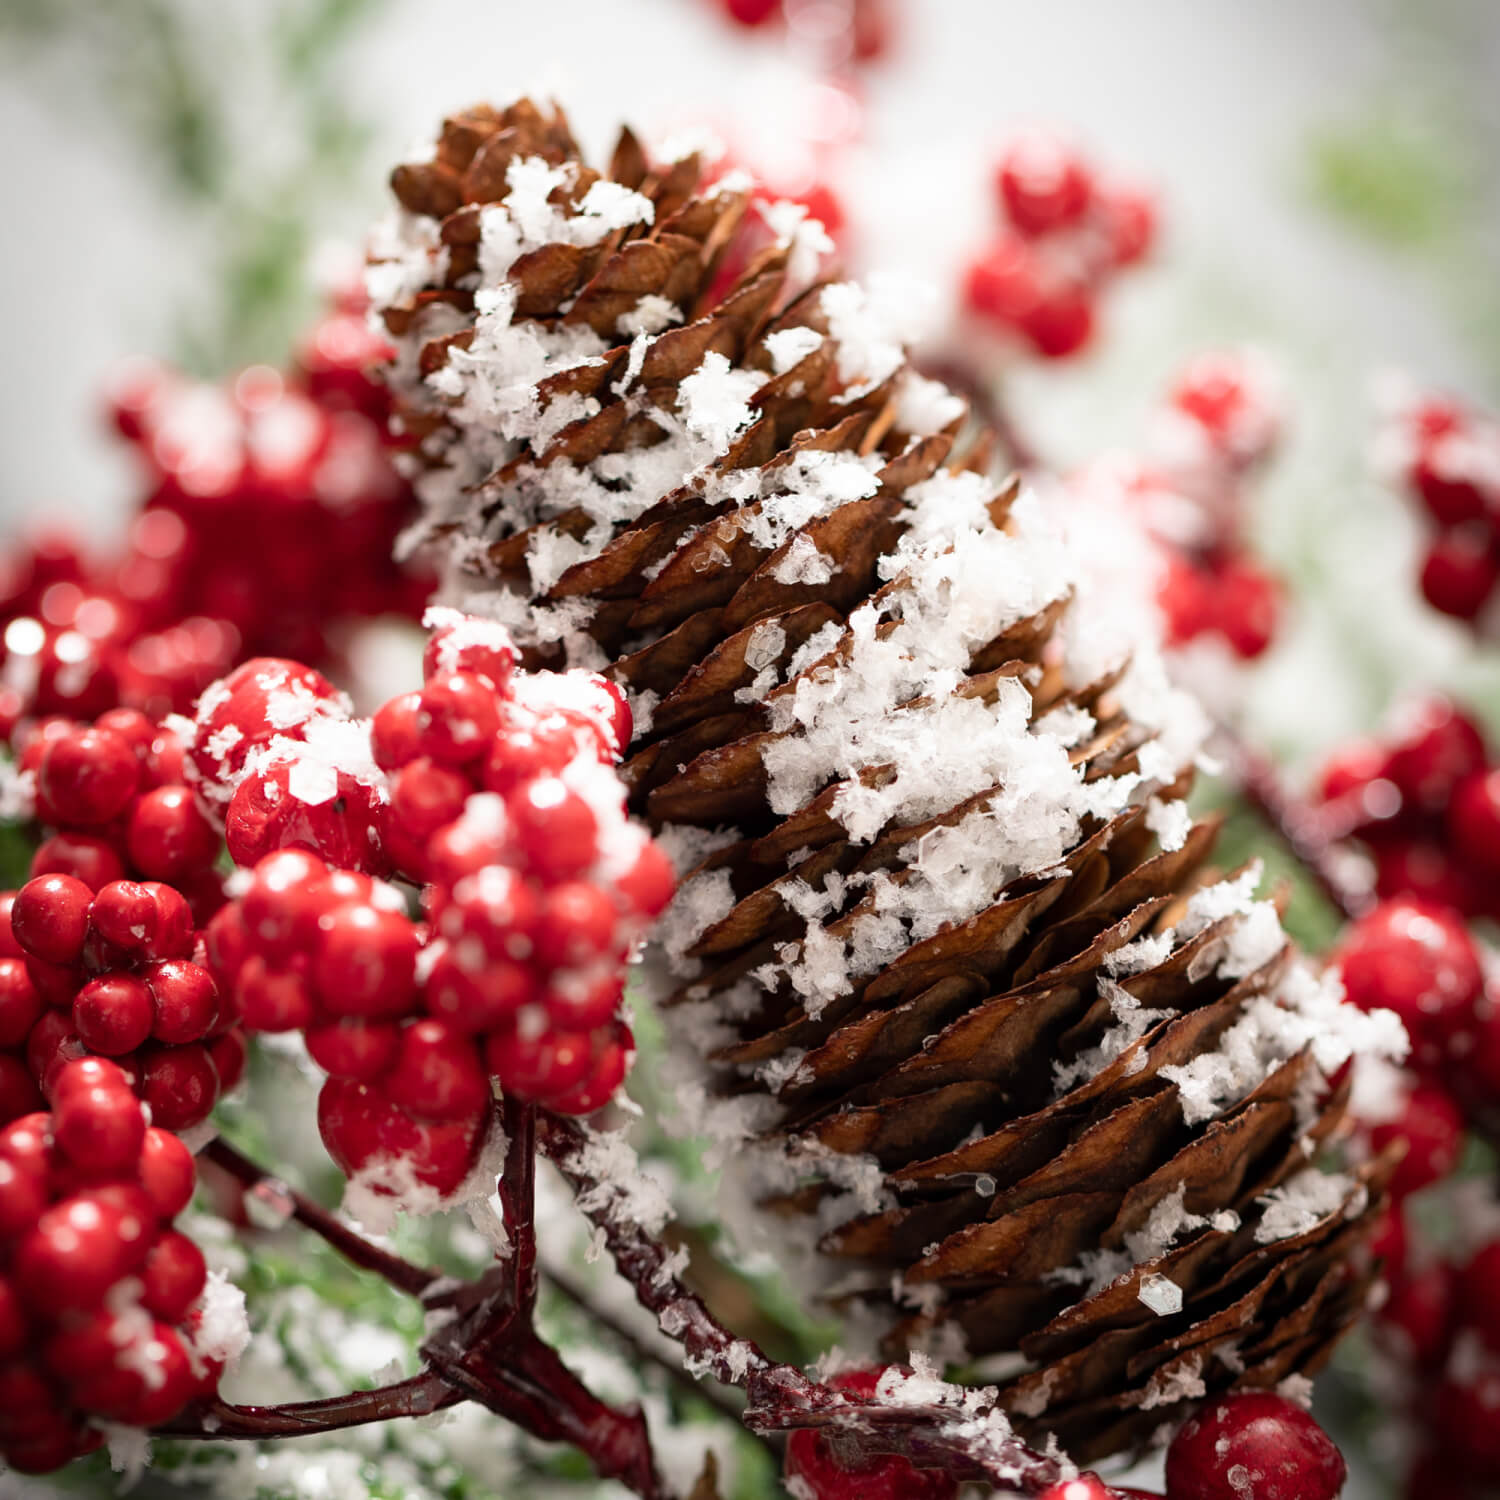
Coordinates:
(472, 645)
(13, 1329)
(752, 12)
(87, 777)
(497, 907)
(482, 998)
(1478, 1295)
(457, 717)
(50, 917)
(1463, 1417)
(1432, 1127)
(20, 1005)
(266, 813)
(1085, 1487)
(1425, 871)
(113, 1014)
(172, 1277)
(101, 1130)
(286, 897)
(438, 1075)
(1351, 769)
(361, 1050)
(52, 1043)
(584, 1002)
(578, 925)
(1042, 184)
(179, 1085)
(539, 1066)
(229, 1053)
(1459, 573)
(425, 795)
(1418, 961)
(1254, 1442)
(1247, 602)
(262, 698)
(1003, 284)
(648, 885)
(606, 1074)
(1129, 215)
(817, 1468)
(366, 1135)
(1474, 819)
(168, 836)
(1185, 598)
(144, 918)
(173, 1383)
(1438, 747)
(555, 828)
(166, 1172)
(273, 999)
(1451, 499)
(79, 1249)
(1061, 321)
(184, 999)
(395, 737)
(365, 964)
(92, 860)
(19, 1094)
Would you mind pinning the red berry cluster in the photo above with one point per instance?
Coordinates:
(114, 972)
(494, 790)
(333, 954)
(271, 512)
(98, 1292)
(1066, 233)
(1447, 458)
(1424, 799)
(113, 794)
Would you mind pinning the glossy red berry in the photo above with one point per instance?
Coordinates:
(425, 795)
(1464, 1423)
(457, 717)
(1416, 1318)
(353, 1048)
(283, 903)
(1084, 1487)
(578, 925)
(168, 836)
(50, 917)
(371, 1138)
(1473, 820)
(395, 735)
(1248, 603)
(437, 1073)
(94, 861)
(113, 1014)
(1061, 320)
(87, 777)
(1042, 184)
(179, 1085)
(166, 1172)
(1451, 498)
(1254, 1442)
(147, 919)
(1438, 747)
(647, 886)
(1129, 215)
(606, 1073)
(260, 699)
(273, 999)
(20, 1004)
(539, 1066)
(555, 827)
(184, 1000)
(1459, 573)
(472, 646)
(101, 1130)
(752, 13)
(365, 962)
(1431, 1126)
(480, 998)
(19, 1094)
(1419, 961)
(229, 1053)
(172, 1277)
(79, 1249)
(1003, 284)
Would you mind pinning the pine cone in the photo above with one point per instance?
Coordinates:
(980, 1025)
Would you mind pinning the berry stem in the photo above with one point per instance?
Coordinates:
(217, 1421)
(352, 1245)
(643, 1352)
(1311, 838)
(517, 1188)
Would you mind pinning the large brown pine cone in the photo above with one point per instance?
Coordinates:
(976, 1023)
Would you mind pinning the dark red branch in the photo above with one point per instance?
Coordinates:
(781, 1396)
(218, 1420)
(287, 1202)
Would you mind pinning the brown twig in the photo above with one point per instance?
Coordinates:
(988, 409)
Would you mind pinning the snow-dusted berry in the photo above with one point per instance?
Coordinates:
(1254, 1442)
